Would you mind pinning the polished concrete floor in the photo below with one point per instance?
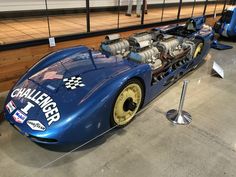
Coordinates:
(150, 146)
(30, 28)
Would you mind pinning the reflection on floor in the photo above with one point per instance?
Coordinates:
(23, 29)
(149, 146)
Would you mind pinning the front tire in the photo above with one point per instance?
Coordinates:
(128, 101)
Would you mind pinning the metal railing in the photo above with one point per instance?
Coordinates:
(87, 21)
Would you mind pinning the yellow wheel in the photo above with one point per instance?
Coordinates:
(127, 103)
(198, 50)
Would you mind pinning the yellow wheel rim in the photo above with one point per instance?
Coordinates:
(131, 94)
(198, 50)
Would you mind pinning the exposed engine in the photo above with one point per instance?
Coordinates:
(115, 45)
(144, 51)
(152, 47)
(175, 46)
(139, 37)
(149, 55)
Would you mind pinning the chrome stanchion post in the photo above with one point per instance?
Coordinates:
(180, 116)
(182, 98)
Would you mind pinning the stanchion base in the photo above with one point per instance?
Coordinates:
(183, 118)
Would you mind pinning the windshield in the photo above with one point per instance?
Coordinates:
(81, 59)
(44, 77)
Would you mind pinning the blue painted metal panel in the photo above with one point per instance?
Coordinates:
(226, 25)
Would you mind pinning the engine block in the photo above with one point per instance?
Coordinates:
(174, 46)
(149, 55)
(114, 45)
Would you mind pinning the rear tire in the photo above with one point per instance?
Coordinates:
(198, 48)
(197, 51)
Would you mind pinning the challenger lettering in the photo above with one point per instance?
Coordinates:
(44, 101)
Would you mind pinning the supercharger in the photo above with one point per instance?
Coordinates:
(175, 46)
(115, 45)
(144, 51)
(140, 37)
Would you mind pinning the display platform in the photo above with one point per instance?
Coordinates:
(150, 145)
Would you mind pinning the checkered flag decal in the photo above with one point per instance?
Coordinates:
(73, 82)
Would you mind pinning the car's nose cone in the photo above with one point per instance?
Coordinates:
(32, 108)
(28, 119)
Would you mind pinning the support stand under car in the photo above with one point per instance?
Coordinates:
(179, 116)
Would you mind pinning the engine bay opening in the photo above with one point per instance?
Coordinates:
(161, 50)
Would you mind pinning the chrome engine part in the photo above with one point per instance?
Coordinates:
(112, 37)
(174, 46)
(115, 45)
(170, 45)
(149, 37)
(189, 44)
(143, 51)
(149, 55)
(140, 37)
(143, 44)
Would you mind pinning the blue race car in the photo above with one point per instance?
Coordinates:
(226, 25)
(75, 94)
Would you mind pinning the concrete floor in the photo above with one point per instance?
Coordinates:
(150, 146)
